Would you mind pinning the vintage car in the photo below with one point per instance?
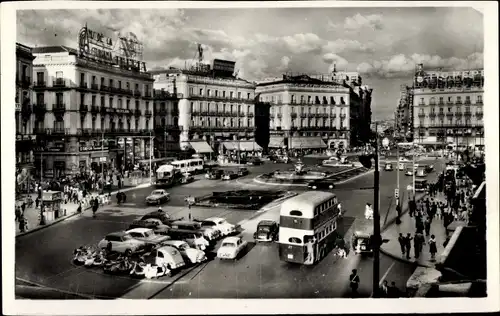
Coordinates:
(231, 247)
(279, 159)
(168, 256)
(267, 230)
(255, 162)
(208, 232)
(187, 178)
(121, 242)
(229, 175)
(330, 161)
(243, 172)
(194, 239)
(401, 166)
(148, 236)
(404, 159)
(219, 224)
(189, 254)
(409, 171)
(362, 242)
(214, 174)
(163, 216)
(158, 197)
(388, 167)
(421, 172)
(321, 184)
(155, 224)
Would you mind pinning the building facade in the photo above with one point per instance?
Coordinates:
(403, 117)
(166, 123)
(25, 139)
(448, 108)
(88, 115)
(314, 112)
(212, 109)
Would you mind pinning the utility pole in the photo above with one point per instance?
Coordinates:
(102, 155)
(150, 155)
(376, 222)
(397, 172)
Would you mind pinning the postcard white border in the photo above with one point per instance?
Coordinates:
(246, 306)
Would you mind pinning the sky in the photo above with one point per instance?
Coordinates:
(382, 44)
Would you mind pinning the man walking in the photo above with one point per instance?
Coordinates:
(418, 242)
(398, 210)
(354, 282)
(427, 226)
(412, 206)
(408, 239)
(401, 240)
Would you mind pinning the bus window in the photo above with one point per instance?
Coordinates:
(294, 240)
(296, 213)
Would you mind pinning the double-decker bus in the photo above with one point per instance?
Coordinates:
(307, 225)
(166, 175)
(194, 165)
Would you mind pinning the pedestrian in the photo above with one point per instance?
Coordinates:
(79, 209)
(427, 226)
(411, 207)
(37, 201)
(392, 290)
(23, 207)
(401, 240)
(21, 224)
(432, 247)
(18, 213)
(384, 289)
(354, 282)
(408, 239)
(446, 241)
(398, 210)
(418, 242)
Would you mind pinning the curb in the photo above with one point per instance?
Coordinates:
(140, 186)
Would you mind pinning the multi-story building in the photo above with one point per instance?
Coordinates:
(448, 108)
(214, 108)
(403, 116)
(86, 113)
(314, 112)
(166, 123)
(24, 118)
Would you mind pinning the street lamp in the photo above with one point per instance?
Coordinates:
(365, 160)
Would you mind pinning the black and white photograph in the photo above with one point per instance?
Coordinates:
(249, 153)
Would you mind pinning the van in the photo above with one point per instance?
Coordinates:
(169, 256)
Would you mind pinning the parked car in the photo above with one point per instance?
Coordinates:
(168, 256)
(214, 174)
(421, 185)
(421, 172)
(401, 166)
(194, 239)
(321, 184)
(155, 224)
(255, 162)
(187, 178)
(409, 171)
(121, 242)
(388, 167)
(158, 197)
(229, 175)
(147, 235)
(330, 161)
(243, 172)
(231, 247)
(279, 159)
(208, 232)
(163, 216)
(189, 254)
(220, 224)
(404, 159)
(267, 230)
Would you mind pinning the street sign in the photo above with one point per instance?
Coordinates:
(409, 187)
(396, 193)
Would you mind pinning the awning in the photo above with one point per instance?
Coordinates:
(307, 142)
(201, 147)
(243, 145)
(276, 142)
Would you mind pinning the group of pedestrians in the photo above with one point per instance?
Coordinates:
(385, 290)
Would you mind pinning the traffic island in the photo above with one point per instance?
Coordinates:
(240, 199)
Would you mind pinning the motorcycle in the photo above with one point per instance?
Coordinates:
(138, 269)
(154, 271)
(99, 259)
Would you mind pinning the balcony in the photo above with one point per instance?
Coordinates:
(432, 114)
(59, 83)
(421, 114)
(104, 88)
(39, 108)
(83, 85)
(251, 114)
(293, 115)
(479, 115)
(161, 95)
(343, 116)
(467, 114)
(441, 114)
(137, 112)
(441, 103)
(334, 115)
(449, 102)
(148, 113)
(271, 116)
(467, 102)
(432, 103)
(161, 112)
(303, 115)
(84, 108)
(458, 114)
(94, 86)
(94, 109)
(148, 95)
(128, 92)
(137, 93)
(479, 102)
(59, 107)
(57, 131)
(459, 102)
(24, 81)
(40, 84)
(449, 114)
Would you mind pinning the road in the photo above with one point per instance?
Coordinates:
(44, 257)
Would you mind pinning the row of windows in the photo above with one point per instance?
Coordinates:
(309, 110)
(325, 206)
(432, 100)
(450, 110)
(326, 231)
(448, 122)
(305, 99)
(214, 107)
(217, 93)
(40, 99)
(310, 123)
(219, 122)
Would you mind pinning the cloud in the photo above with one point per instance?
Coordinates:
(358, 22)
(401, 65)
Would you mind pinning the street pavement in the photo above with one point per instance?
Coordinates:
(44, 257)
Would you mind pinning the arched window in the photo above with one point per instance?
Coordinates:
(295, 240)
(296, 213)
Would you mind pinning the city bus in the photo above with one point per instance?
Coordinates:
(194, 165)
(166, 175)
(307, 225)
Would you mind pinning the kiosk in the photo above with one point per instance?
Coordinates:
(52, 204)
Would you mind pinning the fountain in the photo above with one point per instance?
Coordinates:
(299, 174)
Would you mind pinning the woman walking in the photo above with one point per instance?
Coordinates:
(432, 247)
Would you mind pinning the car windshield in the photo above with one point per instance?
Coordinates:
(207, 224)
(228, 245)
(156, 192)
(183, 246)
(264, 229)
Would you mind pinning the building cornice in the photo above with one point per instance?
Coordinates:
(302, 87)
(423, 91)
(217, 81)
